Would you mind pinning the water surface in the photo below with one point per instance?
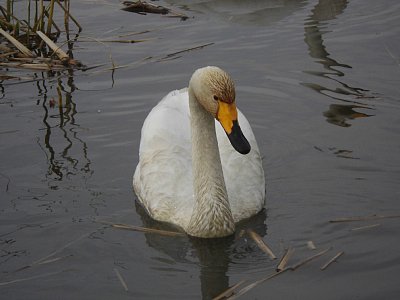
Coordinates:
(319, 82)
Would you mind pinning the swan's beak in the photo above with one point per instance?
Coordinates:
(228, 117)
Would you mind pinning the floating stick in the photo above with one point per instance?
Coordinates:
(333, 259)
(30, 278)
(307, 260)
(364, 218)
(260, 243)
(365, 227)
(284, 260)
(311, 245)
(143, 229)
(254, 284)
(121, 279)
(229, 291)
(187, 50)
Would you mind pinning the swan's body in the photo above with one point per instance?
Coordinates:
(188, 172)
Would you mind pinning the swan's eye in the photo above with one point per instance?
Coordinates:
(216, 98)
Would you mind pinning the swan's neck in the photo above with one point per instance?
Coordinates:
(211, 216)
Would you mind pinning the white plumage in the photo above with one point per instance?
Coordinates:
(163, 180)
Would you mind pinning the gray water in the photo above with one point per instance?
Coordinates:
(318, 80)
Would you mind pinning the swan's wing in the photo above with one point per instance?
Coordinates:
(244, 174)
(163, 176)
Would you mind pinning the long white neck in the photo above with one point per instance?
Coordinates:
(211, 216)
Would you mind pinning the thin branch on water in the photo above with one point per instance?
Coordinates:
(333, 259)
(142, 229)
(186, 50)
(271, 276)
(260, 243)
(365, 227)
(285, 259)
(256, 283)
(307, 260)
(364, 218)
(51, 260)
(31, 278)
(121, 279)
(229, 291)
(311, 245)
(48, 258)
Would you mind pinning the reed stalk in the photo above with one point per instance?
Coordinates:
(8, 14)
(50, 16)
(66, 11)
(29, 22)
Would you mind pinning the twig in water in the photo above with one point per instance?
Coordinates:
(284, 260)
(48, 259)
(125, 41)
(229, 291)
(365, 227)
(51, 260)
(186, 50)
(30, 278)
(260, 243)
(364, 218)
(307, 260)
(143, 229)
(121, 279)
(311, 245)
(254, 284)
(333, 259)
(392, 55)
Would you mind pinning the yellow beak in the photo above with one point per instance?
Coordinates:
(227, 115)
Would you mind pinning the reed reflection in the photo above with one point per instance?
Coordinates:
(337, 114)
(340, 114)
(214, 257)
(66, 152)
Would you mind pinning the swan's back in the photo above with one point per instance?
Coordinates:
(163, 179)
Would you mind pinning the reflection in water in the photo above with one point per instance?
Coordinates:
(339, 114)
(249, 12)
(61, 163)
(213, 256)
(326, 10)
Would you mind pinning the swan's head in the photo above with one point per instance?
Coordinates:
(215, 91)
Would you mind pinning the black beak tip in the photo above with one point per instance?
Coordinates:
(243, 147)
(238, 140)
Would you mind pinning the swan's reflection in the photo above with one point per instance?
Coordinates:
(213, 256)
(337, 114)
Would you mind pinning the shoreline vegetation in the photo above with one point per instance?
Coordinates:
(31, 43)
(30, 37)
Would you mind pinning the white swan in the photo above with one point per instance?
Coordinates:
(188, 172)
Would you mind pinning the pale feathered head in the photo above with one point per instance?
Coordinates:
(215, 91)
